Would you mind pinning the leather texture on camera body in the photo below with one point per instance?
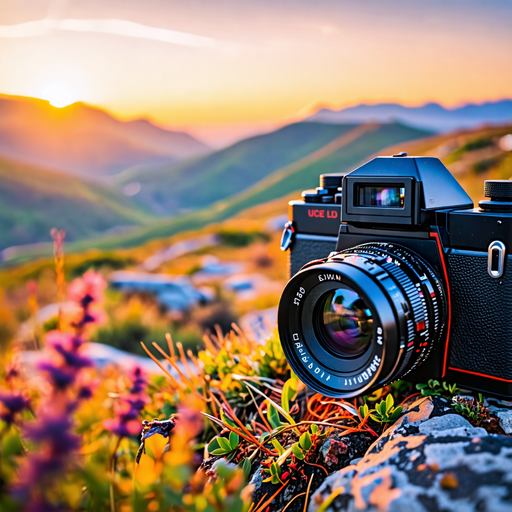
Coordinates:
(481, 331)
(305, 250)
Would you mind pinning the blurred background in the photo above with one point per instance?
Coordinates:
(165, 138)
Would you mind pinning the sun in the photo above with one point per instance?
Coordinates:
(60, 94)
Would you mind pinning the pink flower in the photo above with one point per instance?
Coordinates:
(87, 289)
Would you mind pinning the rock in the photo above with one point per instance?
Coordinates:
(450, 425)
(429, 460)
(331, 451)
(505, 417)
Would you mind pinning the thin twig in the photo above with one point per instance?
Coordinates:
(309, 487)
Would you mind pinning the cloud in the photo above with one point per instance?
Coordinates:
(114, 27)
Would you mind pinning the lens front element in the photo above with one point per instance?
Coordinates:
(346, 323)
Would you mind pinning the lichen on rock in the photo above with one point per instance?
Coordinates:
(429, 460)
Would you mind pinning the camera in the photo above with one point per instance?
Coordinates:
(394, 275)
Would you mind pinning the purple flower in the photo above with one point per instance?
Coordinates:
(54, 431)
(12, 403)
(59, 377)
(84, 393)
(73, 359)
(139, 381)
(57, 444)
(130, 405)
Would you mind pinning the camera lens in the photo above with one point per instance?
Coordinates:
(345, 323)
(361, 318)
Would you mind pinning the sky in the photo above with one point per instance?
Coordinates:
(220, 67)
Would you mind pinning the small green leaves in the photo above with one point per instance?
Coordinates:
(289, 393)
(296, 450)
(275, 474)
(385, 411)
(278, 446)
(273, 416)
(305, 441)
(245, 466)
(364, 411)
(234, 439)
(472, 409)
(227, 421)
(222, 446)
(435, 388)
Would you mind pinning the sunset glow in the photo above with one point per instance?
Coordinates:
(59, 94)
(228, 64)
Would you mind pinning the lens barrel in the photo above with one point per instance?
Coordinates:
(361, 318)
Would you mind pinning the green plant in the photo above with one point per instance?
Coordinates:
(224, 446)
(473, 410)
(385, 411)
(306, 441)
(435, 388)
(364, 410)
(275, 474)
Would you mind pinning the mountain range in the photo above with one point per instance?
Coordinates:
(70, 168)
(83, 140)
(432, 116)
(194, 184)
(211, 188)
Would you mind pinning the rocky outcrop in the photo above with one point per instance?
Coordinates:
(430, 460)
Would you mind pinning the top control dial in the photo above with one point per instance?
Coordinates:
(500, 194)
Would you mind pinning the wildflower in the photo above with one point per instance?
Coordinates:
(87, 292)
(67, 347)
(12, 404)
(87, 289)
(130, 405)
(56, 446)
(63, 368)
(60, 378)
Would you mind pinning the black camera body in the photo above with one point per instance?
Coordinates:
(395, 275)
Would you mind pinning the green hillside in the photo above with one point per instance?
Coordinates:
(194, 184)
(352, 147)
(33, 200)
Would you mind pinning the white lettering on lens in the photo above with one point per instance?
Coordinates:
(329, 277)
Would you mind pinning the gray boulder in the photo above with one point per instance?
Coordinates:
(429, 460)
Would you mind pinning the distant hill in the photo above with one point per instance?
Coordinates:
(34, 200)
(352, 145)
(84, 140)
(432, 116)
(194, 184)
